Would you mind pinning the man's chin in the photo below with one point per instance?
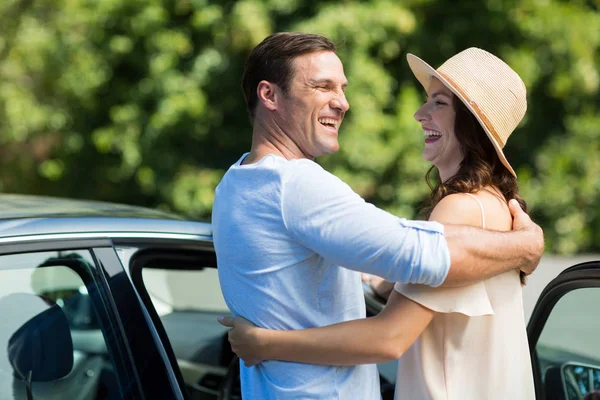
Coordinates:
(329, 149)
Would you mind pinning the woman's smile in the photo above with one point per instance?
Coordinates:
(431, 136)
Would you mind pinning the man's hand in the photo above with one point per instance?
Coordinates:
(533, 236)
(244, 339)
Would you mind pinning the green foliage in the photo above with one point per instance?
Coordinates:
(139, 101)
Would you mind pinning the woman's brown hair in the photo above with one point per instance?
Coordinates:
(480, 167)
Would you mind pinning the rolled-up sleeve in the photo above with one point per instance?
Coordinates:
(326, 216)
(428, 253)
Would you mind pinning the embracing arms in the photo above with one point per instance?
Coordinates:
(381, 338)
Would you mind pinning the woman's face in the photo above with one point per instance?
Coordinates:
(437, 117)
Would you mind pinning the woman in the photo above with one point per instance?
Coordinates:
(452, 343)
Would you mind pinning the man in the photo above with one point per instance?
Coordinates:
(290, 237)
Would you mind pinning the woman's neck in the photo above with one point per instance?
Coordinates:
(448, 171)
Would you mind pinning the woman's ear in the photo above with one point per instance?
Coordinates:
(267, 94)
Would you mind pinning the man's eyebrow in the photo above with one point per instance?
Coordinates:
(327, 81)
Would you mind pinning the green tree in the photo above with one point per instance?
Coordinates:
(139, 101)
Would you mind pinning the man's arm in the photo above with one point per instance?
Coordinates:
(477, 254)
(323, 214)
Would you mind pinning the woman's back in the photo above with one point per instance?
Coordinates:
(476, 346)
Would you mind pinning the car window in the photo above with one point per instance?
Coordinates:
(193, 291)
(188, 303)
(182, 290)
(568, 349)
(52, 345)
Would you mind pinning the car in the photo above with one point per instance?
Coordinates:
(107, 301)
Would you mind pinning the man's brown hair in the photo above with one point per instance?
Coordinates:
(272, 59)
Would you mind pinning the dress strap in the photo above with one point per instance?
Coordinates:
(480, 206)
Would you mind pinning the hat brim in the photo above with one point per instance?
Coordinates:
(424, 72)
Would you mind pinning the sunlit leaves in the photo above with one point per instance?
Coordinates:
(139, 101)
(250, 23)
(193, 190)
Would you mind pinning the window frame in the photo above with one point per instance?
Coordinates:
(149, 353)
(186, 255)
(584, 275)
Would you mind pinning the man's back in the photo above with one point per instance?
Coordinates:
(270, 278)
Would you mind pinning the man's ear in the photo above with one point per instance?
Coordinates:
(268, 94)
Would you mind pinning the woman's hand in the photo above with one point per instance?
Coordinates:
(244, 338)
(379, 285)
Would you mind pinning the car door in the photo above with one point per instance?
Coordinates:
(177, 283)
(71, 325)
(147, 352)
(564, 336)
(60, 335)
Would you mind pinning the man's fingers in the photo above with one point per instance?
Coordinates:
(515, 208)
(521, 220)
(226, 321)
(533, 242)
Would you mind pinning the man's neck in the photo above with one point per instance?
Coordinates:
(271, 140)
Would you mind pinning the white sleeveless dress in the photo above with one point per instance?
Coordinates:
(475, 348)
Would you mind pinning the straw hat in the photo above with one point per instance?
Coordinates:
(490, 89)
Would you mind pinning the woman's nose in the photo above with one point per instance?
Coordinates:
(422, 114)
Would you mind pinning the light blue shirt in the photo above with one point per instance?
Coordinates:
(282, 229)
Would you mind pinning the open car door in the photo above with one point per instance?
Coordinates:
(564, 336)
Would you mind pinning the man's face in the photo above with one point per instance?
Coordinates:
(312, 110)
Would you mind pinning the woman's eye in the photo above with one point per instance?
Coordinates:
(440, 103)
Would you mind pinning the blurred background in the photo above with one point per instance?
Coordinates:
(139, 102)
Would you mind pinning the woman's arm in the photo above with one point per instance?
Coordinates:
(381, 338)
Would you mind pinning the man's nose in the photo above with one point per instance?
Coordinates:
(340, 102)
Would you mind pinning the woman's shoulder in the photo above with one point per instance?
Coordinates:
(495, 208)
(473, 209)
(457, 208)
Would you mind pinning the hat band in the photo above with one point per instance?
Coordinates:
(476, 109)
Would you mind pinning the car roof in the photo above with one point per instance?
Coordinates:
(22, 215)
(14, 206)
